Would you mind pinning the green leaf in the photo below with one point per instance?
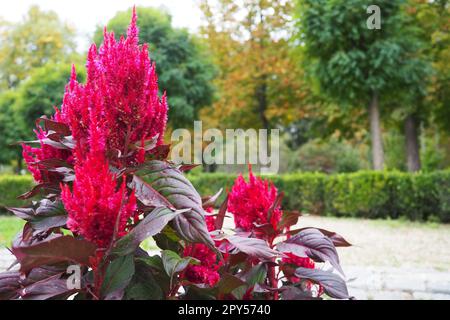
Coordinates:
(152, 224)
(255, 275)
(174, 264)
(228, 283)
(118, 275)
(145, 285)
(155, 262)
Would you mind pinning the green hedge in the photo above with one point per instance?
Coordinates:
(10, 187)
(365, 194)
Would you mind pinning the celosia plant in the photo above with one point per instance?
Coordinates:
(106, 185)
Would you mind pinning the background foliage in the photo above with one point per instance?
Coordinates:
(365, 194)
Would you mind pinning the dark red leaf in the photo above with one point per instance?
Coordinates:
(187, 167)
(254, 247)
(51, 125)
(43, 215)
(275, 205)
(46, 289)
(211, 200)
(46, 187)
(55, 250)
(9, 285)
(288, 219)
(337, 239)
(218, 223)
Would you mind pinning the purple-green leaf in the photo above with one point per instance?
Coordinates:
(151, 225)
(147, 194)
(314, 244)
(9, 285)
(333, 285)
(46, 289)
(253, 247)
(173, 185)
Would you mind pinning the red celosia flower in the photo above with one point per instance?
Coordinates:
(95, 204)
(120, 99)
(33, 156)
(303, 262)
(250, 202)
(206, 272)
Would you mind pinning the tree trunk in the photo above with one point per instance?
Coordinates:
(412, 143)
(375, 132)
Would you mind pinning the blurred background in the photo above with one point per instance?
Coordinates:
(364, 113)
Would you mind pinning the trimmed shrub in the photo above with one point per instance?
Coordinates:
(365, 194)
(11, 187)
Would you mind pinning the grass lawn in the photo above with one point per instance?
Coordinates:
(10, 226)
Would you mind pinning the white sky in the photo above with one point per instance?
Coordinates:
(85, 15)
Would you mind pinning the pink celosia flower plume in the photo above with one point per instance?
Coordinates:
(96, 204)
(119, 104)
(250, 202)
(111, 117)
(115, 112)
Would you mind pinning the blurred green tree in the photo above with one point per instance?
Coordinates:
(184, 68)
(41, 37)
(432, 17)
(34, 69)
(34, 97)
(11, 128)
(356, 66)
(42, 91)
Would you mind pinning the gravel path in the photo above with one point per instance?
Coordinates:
(389, 260)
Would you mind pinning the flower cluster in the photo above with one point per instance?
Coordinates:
(207, 271)
(250, 203)
(94, 206)
(119, 104)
